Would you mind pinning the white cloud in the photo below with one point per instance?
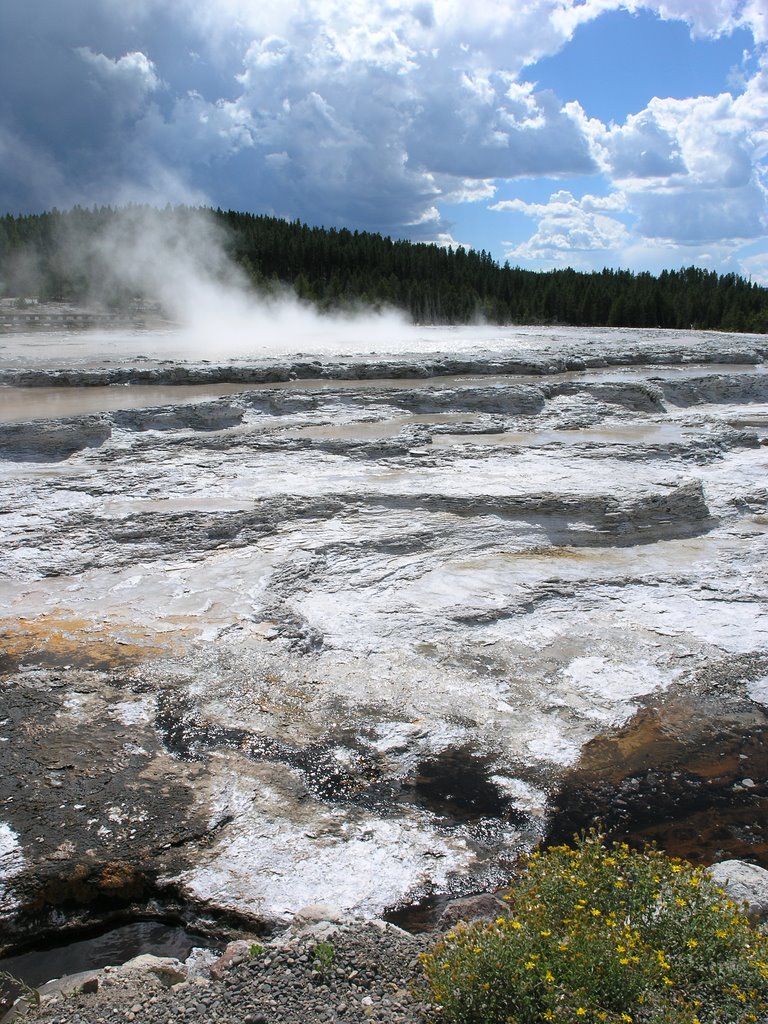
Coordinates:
(706, 18)
(642, 148)
(264, 53)
(134, 69)
(130, 78)
(756, 266)
(470, 190)
(691, 169)
(570, 231)
(687, 179)
(196, 128)
(504, 130)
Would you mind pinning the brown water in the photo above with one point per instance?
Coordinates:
(634, 433)
(376, 429)
(55, 403)
(24, 403)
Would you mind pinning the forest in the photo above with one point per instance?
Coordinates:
(60, 256)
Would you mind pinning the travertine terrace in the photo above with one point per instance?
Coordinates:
(340, 628)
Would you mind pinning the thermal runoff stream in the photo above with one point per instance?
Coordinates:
(357, 621)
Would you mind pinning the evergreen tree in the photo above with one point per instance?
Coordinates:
(337, 268)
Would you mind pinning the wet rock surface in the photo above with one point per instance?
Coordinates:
(363, 644)
(52, 441)
(416, 353)
(688, 772)
(105, 807)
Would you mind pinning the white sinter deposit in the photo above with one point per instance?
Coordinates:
(368, 625)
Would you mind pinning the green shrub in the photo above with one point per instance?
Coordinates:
(324, 955)
(594, 935)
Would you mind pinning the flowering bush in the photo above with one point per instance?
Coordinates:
(597, 934)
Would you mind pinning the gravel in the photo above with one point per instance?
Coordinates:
(374, 975)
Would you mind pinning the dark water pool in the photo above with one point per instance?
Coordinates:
(108, 948)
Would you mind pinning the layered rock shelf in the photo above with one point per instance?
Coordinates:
(362, 641)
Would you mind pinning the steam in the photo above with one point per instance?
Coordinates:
(179, 260)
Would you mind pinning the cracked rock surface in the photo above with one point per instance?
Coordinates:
(284, 644)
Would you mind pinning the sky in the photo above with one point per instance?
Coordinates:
(551, 133)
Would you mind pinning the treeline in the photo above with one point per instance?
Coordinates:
(52, 256)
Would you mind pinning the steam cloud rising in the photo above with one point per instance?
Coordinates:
(178, 260)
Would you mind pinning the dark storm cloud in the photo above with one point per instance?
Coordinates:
(369, 114)
(364, 123)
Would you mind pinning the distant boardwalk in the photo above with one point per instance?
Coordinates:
(12, 321)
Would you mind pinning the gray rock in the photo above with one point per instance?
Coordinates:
(484, 907)
(166, 969)
(744, 883)
(317, 912)
(52, 440)
(197, 416)
(200, 961)
(235, 953)
(84, 981)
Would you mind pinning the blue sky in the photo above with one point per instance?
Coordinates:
(583, 133)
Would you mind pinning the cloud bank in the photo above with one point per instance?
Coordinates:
(376, 115)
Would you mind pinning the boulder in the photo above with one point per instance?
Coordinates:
(744, 883)
(483, 907)
(166, 969)
(316, 912)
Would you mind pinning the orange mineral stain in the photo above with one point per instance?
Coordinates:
(51, 641)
